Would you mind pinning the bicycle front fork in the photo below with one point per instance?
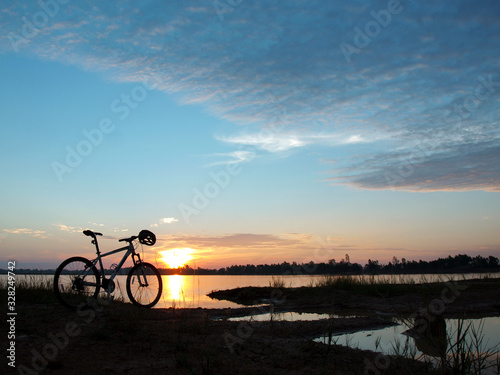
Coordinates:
(138, 260)
(141, 276)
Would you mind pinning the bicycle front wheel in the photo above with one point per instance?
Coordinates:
(76, 282)
(144, 285)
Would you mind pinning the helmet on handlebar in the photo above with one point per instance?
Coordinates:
(147, 237)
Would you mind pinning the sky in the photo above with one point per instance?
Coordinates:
(250, 132)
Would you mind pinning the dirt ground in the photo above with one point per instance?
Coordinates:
(120, 338)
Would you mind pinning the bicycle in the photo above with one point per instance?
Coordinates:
(77, 282)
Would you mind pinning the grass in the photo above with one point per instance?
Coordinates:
(469, 353)
(278, 282)
(33, 288)
(39, 289)
(375, 285)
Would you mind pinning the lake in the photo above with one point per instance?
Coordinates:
(191, 291)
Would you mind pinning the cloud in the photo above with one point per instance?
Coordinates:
(71, 229)
(284, 141)
(239, 240)
(431, 75)
(260, 248)
(165, 220)
(455, 169)
(67, 228)
(168, 220)
(118, 230)
(234, 157)
(32, 232)
(271, 143)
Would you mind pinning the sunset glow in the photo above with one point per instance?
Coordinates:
(176, 258)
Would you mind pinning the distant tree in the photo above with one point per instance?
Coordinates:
(373, 266)
(493, 262)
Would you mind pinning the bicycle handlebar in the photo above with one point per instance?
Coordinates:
(130, 239)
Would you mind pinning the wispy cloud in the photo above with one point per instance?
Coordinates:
(272, 143)
(416, 82)
(454, 169)
(284, 141)
(29, 231)
(67, 228)
(234, 157)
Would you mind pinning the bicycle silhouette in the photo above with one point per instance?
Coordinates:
(77, 282)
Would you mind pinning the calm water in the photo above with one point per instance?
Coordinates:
(191, 291)
(393, 340)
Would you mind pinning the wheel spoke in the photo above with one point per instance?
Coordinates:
(147, 290)
(76, 281)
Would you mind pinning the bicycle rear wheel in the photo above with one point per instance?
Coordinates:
(144, 285)
(76, 282)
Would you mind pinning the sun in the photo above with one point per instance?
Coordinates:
(176, 258)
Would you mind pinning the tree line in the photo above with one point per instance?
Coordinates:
(458, 264)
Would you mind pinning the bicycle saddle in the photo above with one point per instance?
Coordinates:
(91, 233)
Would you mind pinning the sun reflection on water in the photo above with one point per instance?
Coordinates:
(174, 287)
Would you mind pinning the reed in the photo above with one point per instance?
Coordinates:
(278, 282)
(31, 288)
(372, 285)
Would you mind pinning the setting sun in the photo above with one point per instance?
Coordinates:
(176, 258)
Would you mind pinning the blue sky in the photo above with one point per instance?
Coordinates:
(251, 132)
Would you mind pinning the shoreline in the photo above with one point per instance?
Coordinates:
(476, 297)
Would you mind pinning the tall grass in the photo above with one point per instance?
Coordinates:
(278, 282)
(469, 353)
(30, 288)
(39, 289)
(374, 285)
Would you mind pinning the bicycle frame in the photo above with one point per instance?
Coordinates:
(130, 250)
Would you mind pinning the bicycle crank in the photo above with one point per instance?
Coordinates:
(108, 285)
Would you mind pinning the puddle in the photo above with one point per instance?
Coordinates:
(443, 338)
(288, 317)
